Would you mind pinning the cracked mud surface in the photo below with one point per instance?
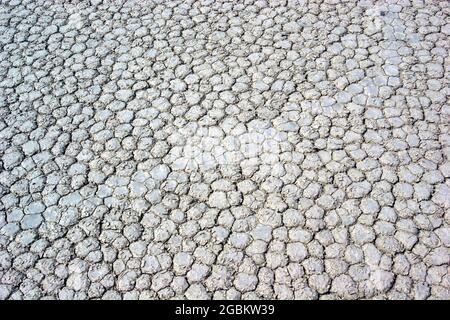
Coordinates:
(224, 150)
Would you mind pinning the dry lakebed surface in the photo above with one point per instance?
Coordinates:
(224, 149)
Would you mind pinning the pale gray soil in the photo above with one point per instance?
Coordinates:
(224, 149)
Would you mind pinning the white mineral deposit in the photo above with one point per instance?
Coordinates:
(224, 149)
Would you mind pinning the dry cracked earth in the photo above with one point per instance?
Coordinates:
(224, 149)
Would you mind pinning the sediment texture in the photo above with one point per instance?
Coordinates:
(224, 149)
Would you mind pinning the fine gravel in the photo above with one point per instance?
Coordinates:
(224, 149)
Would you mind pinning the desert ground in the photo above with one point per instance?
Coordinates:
(224, 149)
